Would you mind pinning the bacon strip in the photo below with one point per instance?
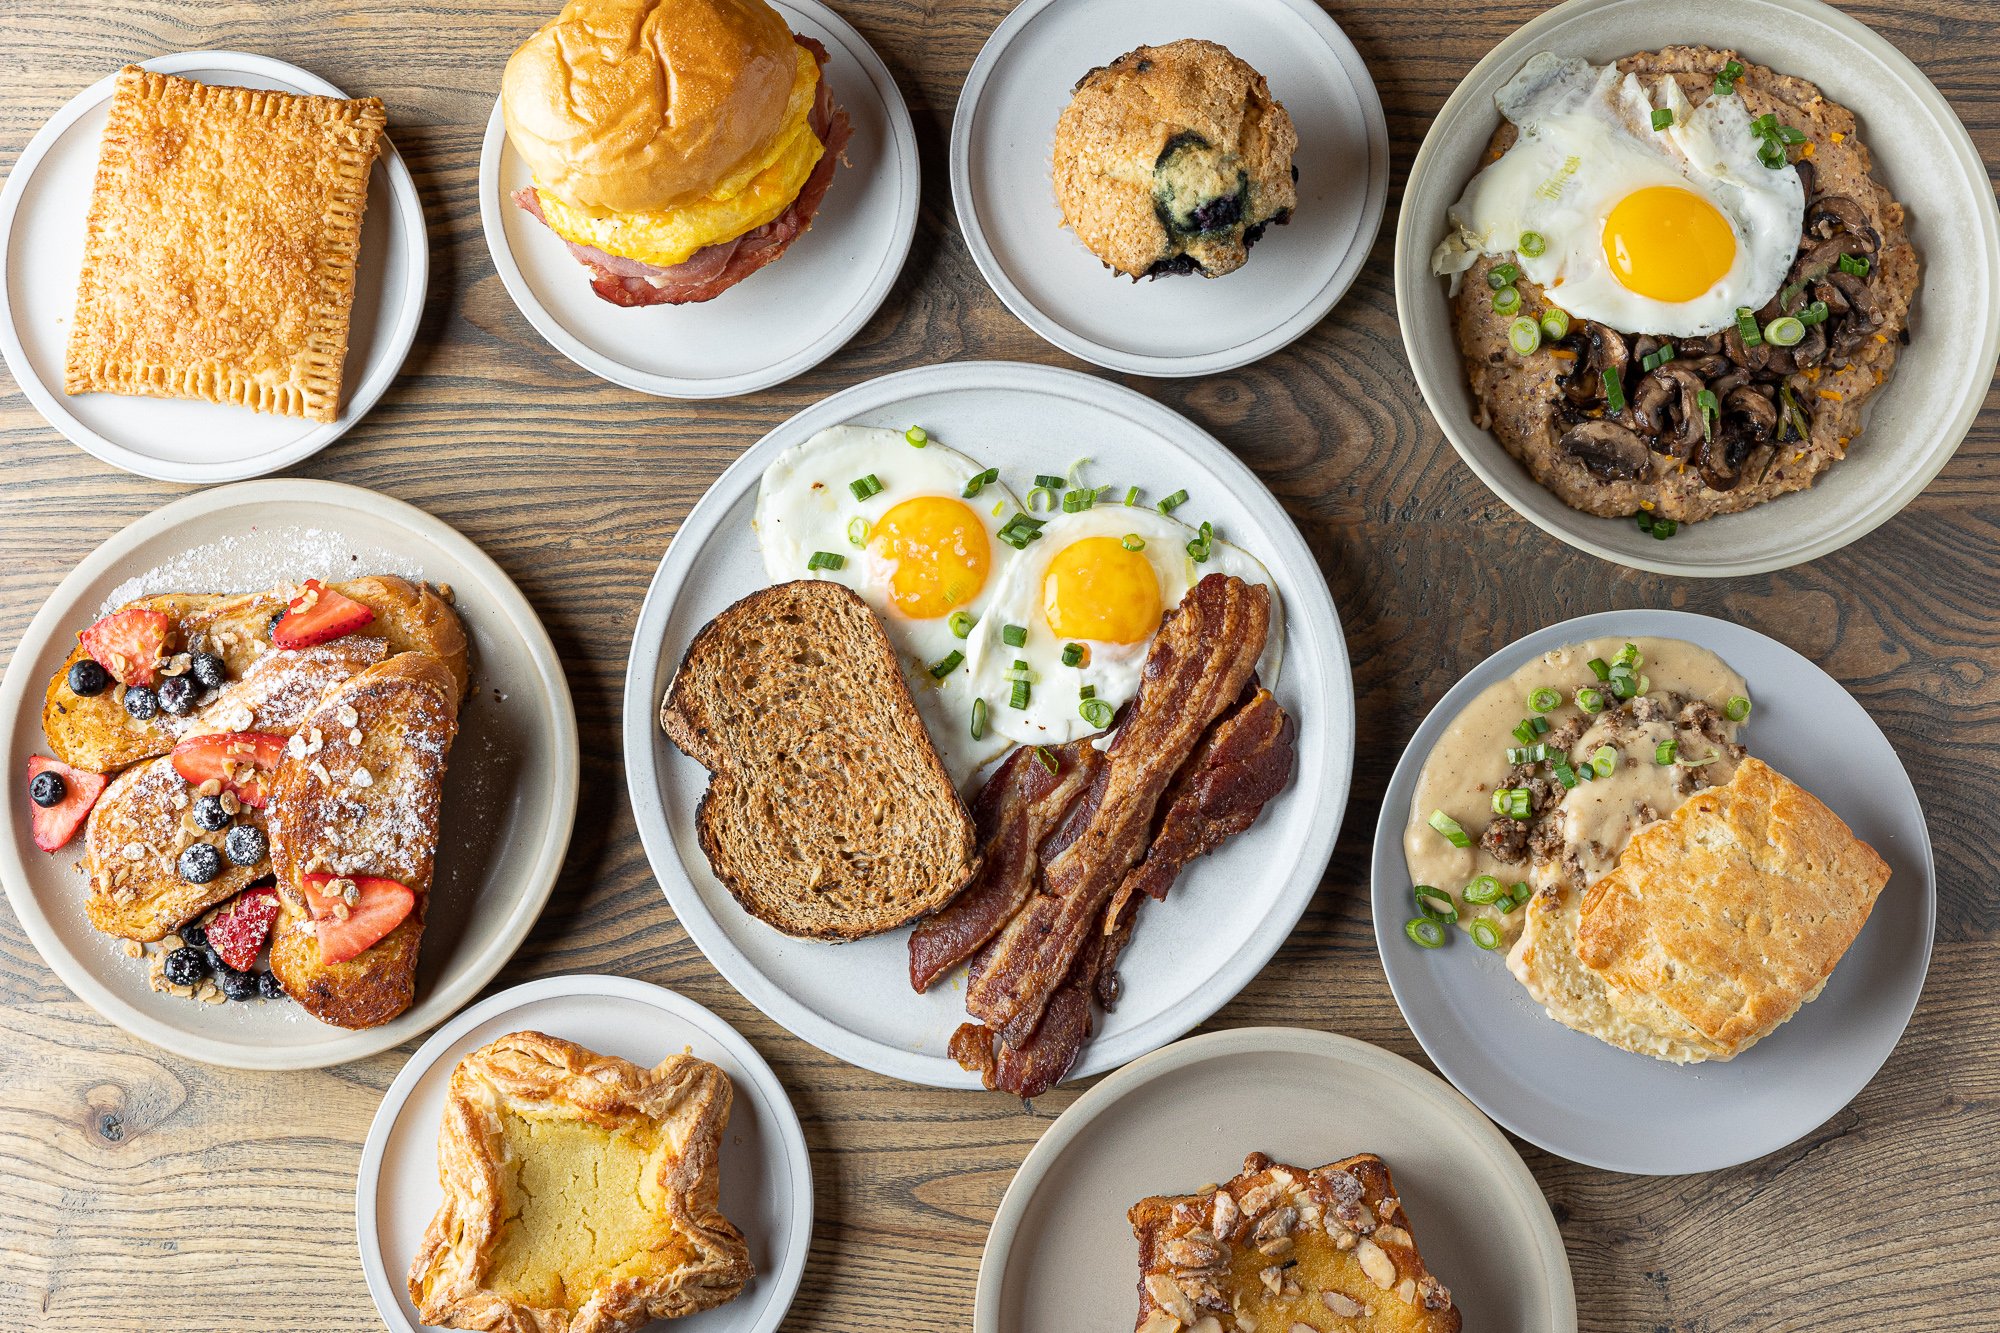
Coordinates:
(1199, 662)
(714, 269)
(1014, 811)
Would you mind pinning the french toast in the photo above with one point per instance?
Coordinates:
(94, 731)
(354, 809)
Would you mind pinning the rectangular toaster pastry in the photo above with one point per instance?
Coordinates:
(221, 245)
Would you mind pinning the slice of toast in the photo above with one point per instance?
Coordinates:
(96, 732)
(361, 800)
(828, 814)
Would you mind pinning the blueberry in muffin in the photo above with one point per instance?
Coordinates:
(1174, 159)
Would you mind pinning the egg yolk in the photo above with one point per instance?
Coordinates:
(937, 553)
(1668, 244)
(1096, 589)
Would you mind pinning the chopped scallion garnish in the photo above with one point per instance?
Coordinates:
(1019, 530)
(1746, 327)
(1502, 276)
(1013, 635)
(1664, 752)
(1131, 498)
(1075, 502)
(1539, 725)
(1040, 498)
(1018, 697)
(947, 664)
(1514, 802)
(1424, 932)
(1544, 700)
(1483, 890)
(1051, 483)
(978, 719)
(1449, 828)
(1653, 360)
(1072, 654)
(1047, 758)
(1629, 656)
(1854, 265)
(1589, 700)
(1533, 244)
(1484, 934)
(978, 482)
(917, 436)
(1604, 762)
(1201, 545)
(1132, 541)
(1785, 331)
(1507, 300)
(1815, 313)
(1614, 390)
(825, 560)
(1663, 117)
(1725, 82)
(1435, 903)
(1172, 502)
(857, 531)
(961, 623)
(1711, 412)
(1555, 323)
(1524, 335)
(1600, 668)
(1737, 708)
(1525, 732)
(1516, 895)
(863, 487)
(1564, 773)
(1096, 712)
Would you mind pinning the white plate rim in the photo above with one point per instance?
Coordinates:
(1374, 202)
(360, 399)
(1412, 274)
(1386, 863)
(791, 1266)
(1311, 1042)
(536, 882)
(1309, 607)
(902, 148)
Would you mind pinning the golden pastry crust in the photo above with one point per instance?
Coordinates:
(1732, 913)
(1160, 132)
(689, 1259)
(221, 245)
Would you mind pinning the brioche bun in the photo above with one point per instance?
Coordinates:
(634, 106)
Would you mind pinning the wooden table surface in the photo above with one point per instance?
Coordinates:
(151, 1193)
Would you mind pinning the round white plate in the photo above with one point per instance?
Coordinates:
(1595, 1104)
(1924, 156)
(782, 320)
(1003, 192)
(509, 789)
(1229, 911)
(1062, 1255)
(42, 210)
(766, 1176)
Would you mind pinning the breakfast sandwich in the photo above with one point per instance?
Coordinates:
(677, 146)
(221, 245)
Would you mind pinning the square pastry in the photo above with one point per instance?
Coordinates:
(221, 244)
(1278, 1249)
(579, 1193)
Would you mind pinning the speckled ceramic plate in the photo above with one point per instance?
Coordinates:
(1061, 1254)
(1601, 1106)
(1924, 156)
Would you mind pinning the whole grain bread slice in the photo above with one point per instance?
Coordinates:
(828, 814)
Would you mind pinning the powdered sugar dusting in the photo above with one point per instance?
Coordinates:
(261, 557)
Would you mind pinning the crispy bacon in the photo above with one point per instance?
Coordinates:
(1014, 811)
(714, 269)
(1204, 653)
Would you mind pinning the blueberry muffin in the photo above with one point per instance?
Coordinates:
(1174, 159)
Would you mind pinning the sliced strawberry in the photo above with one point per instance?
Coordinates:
(346, 928)
(317, 615)
(129, 644)
(56, 824)
(239, 930)
(236, 759)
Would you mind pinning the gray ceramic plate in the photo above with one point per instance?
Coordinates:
(1061, 1254)
(1924, 156)
(1593, 1103)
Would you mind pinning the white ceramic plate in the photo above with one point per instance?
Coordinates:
(42, 211)
(766, 1176)
(1228, 913)
(1003, 192)
(777, 323)
(1924, 156)
(1595, 1104)
(1062, 1255)
(509, 790)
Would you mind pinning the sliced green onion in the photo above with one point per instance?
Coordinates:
(1484, 934)
(1664, 752)
(1513, 802)
(1051, 483)
(1446, 909)
(978, 719)
(1424, 932)
(917, 436)
(1614, 390)
(947, 664)
(1589, 700)
(863, 487)
(1019, 530)
(1544, 700)
(1507, 300)
(1132, 541)
(978, 482)
(1854, 265)
(857, 531)
(1687, 761)
(1525, 732)
(1532, 244)
(1604, 762)
(1772, 154)
(1041, 498)
(1528, 754)
(1784, 331)
(1564, 773)
(1653, 360)
(1132, 498)
(1047, 758)
(1524, 335)
(1790, 414)
(1737, 708)
(1600, 667)
(1746, 327)
(1791, 136)
(1629, 656)
(1021, 672)
(1018, 697)
(1172, 502)
(1814, 313)
(1502, 275)
(1013, 635)
(1075, 502)
(825, 560)
(1072, 654)
(1725, 82)
(1449, 827)
(961, 623)
(1086, 691)
(1096, 712)
(1711, 412)
(1516, 896)
(1539, 725)
(1200, 546)
(1483, 890)
(1555, 323)
(1662, 529)
(1663, 117)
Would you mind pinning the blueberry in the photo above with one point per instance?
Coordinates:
(47, 789)
(215, 963)
(209, 814)
(268, 987)
(275, 619)
(193, 936)
(87, 678)
(1218, 213)
(208, 671)
(245, 845)
(200, 863)
(237, 985)
(177, 695)
(141, 703)
(186, 966)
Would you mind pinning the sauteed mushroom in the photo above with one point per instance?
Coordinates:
(1610, 451)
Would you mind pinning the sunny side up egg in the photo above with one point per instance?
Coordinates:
(925, 557)
(1666, 231)
(1095, 583)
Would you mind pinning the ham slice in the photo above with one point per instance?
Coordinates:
(714, 269)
